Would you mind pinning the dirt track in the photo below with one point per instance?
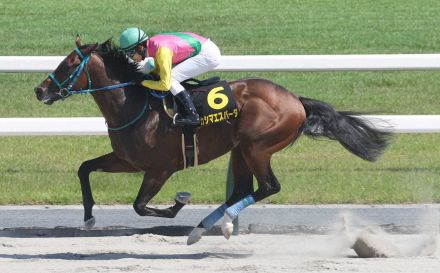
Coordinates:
(243, 253)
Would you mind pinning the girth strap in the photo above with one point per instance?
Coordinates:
(189, 147)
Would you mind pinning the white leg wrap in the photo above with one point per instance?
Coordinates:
(227, 226)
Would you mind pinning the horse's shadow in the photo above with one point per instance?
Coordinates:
(124, 255)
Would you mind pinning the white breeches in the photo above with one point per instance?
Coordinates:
(207, 59)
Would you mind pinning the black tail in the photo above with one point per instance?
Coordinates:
(354, 133)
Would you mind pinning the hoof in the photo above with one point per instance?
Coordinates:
(89, 224)
(227, 226)
(195, 235)
(183, 197)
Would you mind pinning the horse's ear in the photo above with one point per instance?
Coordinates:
(78, 40)
(90, 49)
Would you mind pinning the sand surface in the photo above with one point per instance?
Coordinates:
(243, 253)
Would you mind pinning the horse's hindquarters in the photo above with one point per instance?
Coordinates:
(269, 113)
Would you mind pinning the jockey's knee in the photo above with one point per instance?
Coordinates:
(214, 62)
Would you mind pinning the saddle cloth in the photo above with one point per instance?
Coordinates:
(212, 98)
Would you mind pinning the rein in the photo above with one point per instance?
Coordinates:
(65, 92)
(128, 124)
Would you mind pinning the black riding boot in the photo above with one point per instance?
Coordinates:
(188, 114)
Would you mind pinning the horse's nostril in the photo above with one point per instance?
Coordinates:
(39, 92)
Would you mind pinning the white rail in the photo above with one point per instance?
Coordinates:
(370, 62)
(96, 126)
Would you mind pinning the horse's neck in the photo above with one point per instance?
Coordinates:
(118, 108)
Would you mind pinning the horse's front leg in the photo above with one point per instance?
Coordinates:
(106, 163)
(151, 185)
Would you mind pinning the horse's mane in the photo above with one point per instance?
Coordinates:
(116, 60)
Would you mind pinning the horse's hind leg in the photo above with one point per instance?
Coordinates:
(259, 164)
(106, 163)
(267, 182)
(243, 178)
(243, 186)
(257, 149)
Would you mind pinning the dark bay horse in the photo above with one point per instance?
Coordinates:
(144, 139)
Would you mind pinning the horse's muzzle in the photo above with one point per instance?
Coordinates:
(41, 93)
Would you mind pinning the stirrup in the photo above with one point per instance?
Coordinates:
(184, 121)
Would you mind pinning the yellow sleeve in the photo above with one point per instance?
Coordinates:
(163, 59)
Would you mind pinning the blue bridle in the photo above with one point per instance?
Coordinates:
(65, 92)
(65, 87)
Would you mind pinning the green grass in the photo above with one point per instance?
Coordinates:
(310, 172)
(47, 27)
(43, 169)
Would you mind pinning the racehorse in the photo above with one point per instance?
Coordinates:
(144, 139)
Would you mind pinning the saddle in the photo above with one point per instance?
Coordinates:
(169, 103)
(214, 103)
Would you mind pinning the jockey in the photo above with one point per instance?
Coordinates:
(177, 56)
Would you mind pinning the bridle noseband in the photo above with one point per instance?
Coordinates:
(66, 91)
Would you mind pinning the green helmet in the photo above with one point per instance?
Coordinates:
(131, 37)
